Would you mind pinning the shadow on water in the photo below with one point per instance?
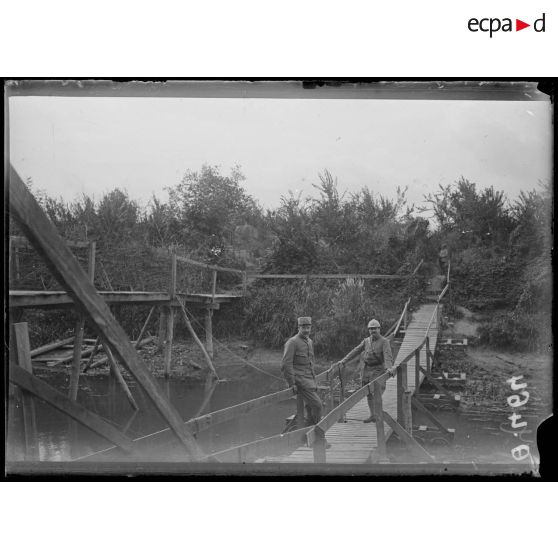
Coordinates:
(62, 439)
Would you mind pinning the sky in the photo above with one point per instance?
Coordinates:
(75, 145)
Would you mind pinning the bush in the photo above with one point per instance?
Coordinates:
(508, 330)
(340, 312)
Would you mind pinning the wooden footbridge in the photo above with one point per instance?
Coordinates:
(340, 437)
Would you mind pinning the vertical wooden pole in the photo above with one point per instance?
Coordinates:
(400, 391)
(162, 329)
(244, 283)
(404, 390)
(91, 261)
(408, 413)
(319, 446)
(168, 341)
(379, 414)
(417, 370)
(170, 317)
(300, 422)
(24, 360)
(209, 331)
(80, 324)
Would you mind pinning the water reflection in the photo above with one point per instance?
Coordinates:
(61, 438)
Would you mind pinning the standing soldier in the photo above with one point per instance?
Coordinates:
(376, 359)
(298, 368)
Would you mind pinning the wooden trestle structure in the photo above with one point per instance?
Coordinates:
(351, 440)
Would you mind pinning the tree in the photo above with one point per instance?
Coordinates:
(210, 206)
(472, 217)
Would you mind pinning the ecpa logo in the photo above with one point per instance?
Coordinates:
(494, 24)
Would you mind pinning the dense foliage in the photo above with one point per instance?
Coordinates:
(499, 250)
(500, 258)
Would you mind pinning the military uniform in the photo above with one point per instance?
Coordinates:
(298, 368)
(375, 359)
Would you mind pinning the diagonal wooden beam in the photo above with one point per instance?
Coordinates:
(405, 437)
(436, 383)
(418, 405)
(42, 234)
(31, 384)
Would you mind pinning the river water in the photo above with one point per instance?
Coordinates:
(481, 436)
(61, 439)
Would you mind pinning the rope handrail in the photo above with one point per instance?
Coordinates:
(323, 276)
(389, 331)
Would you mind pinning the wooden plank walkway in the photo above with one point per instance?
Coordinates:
(354, 441)
(31, 299)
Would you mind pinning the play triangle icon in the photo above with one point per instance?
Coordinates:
(519, 25)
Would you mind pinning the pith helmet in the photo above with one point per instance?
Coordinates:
(373, 323)
(304, 321)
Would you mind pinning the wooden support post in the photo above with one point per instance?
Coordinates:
(80, 324)
(319, 446)
(91, 261)
(401, 389)
(300, 420)
(379, 414)
(170, 318)
(408, 411)
(44, 237)
(162, 329)
(119, 378)
(78, 340)
(168, 341)
(29, 422)
(197, 340)
(244, 283)
(209, 331)
(417, 370)
(399, 394)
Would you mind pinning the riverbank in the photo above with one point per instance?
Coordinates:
(234, 360)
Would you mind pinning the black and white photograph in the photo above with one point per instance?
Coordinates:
(277, 278)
